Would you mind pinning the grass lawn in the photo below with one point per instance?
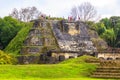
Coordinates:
(67, 70)
(46, 72)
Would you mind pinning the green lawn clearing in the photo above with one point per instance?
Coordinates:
(68, 70)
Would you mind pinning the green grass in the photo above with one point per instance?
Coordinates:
(46, 72)
(17, 42)
(43, 71)
(79, 60)
(67, 70)
(58, 79)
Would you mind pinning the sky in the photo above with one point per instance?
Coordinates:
(61, 8)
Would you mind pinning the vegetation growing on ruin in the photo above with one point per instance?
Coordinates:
(106, 29)
(55, 18)
(17, 42)
(79, 60)
(55, 43)
(99, 43)
(52, 44)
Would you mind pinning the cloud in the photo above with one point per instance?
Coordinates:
(61, 8)
(109, 9)
(105, 8)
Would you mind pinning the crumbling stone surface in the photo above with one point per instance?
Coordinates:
(39, 36)
(75, 39)
(56, 35)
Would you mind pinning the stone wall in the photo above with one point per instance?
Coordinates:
(39, 36)
(65, 55)
(47, 35)
(39, 40)
(76, 38)
(109, 56)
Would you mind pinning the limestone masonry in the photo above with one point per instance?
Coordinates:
(55, 40)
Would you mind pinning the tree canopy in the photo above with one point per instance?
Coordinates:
(109, 30)
(8, 30)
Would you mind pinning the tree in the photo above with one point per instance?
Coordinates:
(100, 28)
(112, 26)
(109, 37)
(8, 30)
(92, 25)
(85, 11)
(106, 22)
(114, 20)
(26, 14)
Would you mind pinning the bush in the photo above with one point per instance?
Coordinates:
(6, 58)
(99, 43)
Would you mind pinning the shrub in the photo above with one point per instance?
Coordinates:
(99, 43)
(6, 58)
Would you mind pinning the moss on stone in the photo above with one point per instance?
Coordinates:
(99, 43)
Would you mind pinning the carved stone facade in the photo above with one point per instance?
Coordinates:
(74, 38)
(39, 36)
(85, 46)
(56, 35)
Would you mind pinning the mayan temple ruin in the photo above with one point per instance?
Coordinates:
(51, 41)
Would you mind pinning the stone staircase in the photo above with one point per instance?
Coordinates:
(107, 72)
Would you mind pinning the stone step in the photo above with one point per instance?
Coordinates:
(92, 62)
(106, 76)
(107, 68)
(108, 71)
